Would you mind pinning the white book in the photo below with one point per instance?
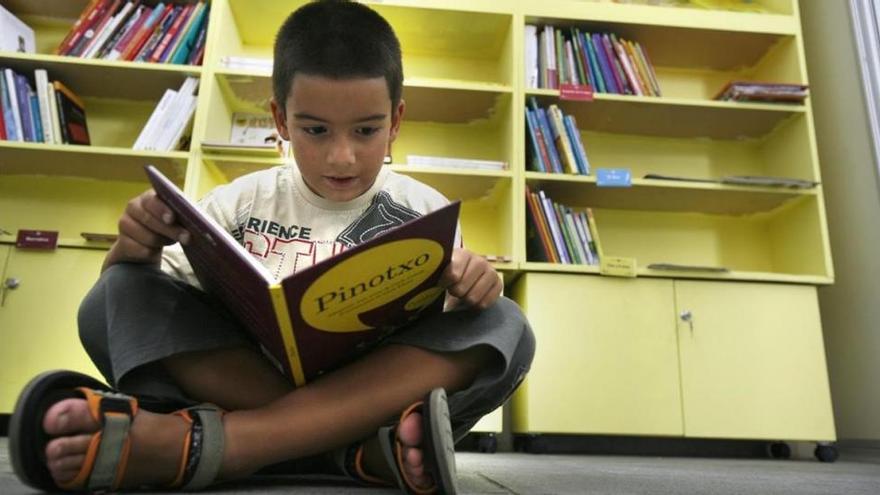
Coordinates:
(583, 230)
(41, 81)
(552, 222)
(234, 62)
(53, 114)
(107, 31)
(170, 136)
(15, 35)
(114, 53)
(12, 92)
(550, 46)
(145, 137)
(531, 41)
(179, 105)
(441, 161)
(573, 76)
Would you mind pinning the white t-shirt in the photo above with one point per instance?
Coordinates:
(287, 227)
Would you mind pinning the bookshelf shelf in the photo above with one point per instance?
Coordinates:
(664, 195)
(651, 116)
(93, 162)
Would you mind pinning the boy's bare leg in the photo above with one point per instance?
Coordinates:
(330, 412)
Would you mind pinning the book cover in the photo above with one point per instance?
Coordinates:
(23, 99)
(15, 35)
(188, 41)
(538, 153)
(605, 65)
(93, 34)
(72, 113)
(543, 228)
(596, 69)
(41, 81)
(536, 249)
(9, 109)
(57, 137)
(314, 320)
(143, 33)
(76, 30)
(560, 137)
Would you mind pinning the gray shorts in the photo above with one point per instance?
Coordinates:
(136, 315)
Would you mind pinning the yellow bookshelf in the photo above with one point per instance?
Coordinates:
(647, 371)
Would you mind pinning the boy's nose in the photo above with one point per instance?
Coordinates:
(341, 152)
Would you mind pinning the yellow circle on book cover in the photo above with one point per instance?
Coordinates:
(373, 283)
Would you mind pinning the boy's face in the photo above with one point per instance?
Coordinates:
(340, 131)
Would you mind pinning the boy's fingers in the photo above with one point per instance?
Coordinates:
(136, 231)
(152, 203)
(148, 212)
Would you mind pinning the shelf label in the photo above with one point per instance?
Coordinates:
(37, 239)
(576, 92)
(613, 177)
(617, 266)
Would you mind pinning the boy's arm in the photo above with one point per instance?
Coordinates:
(471, 280)
(146, 226)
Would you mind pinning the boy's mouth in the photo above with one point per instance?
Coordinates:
(339, 181)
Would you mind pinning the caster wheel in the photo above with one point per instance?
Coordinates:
(487, 443)
(779, 450)
(826, 453)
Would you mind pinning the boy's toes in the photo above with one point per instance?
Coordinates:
(66, 468)
(69, 416)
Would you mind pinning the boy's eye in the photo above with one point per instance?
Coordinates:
(367, 131)
(315, 130)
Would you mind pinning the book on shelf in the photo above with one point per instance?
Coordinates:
(247, 63)
(555, 144)
(225, 147)
(131, 30)
(763, 92)
(34, 112)
(556, 233)
(678, 267)
(316, 319)
(604, 61)
(170, 119)
(253, 129)
(442, 161)
(15, 35)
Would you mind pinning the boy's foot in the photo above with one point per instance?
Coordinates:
(156, 444)
(409, 433)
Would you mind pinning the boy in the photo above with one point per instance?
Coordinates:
(337, 98)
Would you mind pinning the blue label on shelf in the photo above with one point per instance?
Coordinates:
(613, 177)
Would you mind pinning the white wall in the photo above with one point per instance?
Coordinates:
(851, 307)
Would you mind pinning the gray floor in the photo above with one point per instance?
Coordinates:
(857, 472)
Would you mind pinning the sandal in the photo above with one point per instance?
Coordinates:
(107, 455)
(438, 447)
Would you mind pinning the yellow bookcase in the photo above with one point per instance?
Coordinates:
(465, 93)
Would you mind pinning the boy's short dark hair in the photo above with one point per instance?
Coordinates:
(337, 39)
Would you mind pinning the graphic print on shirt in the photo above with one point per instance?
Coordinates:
(382, 215)
(287, 249)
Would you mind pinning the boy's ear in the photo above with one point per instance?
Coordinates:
(396, 119)
(280, 117)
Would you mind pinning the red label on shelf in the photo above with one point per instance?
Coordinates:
(37, 239)
(580, 92)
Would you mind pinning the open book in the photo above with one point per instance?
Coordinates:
(316, 319)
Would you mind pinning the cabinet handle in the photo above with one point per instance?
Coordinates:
(9, 284)
(688, 317)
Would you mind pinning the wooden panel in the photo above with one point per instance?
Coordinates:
(606, 360)
(753, 363)
(34, 339)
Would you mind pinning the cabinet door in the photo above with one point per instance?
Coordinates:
(606, 357)
(38, 318)
(753, 362)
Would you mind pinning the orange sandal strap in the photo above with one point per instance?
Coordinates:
(107, 456)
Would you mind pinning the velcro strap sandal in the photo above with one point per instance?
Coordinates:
(107, 456)
(437, 446)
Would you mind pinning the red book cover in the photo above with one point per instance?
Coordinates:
(144, 33)
(616, 71)
(76, 30)
(320, 317)
(126, 38)
(541, 231)
(156, 36)
(90, 35)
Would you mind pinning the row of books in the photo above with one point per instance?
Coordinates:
(40, 112)
(556, 233)
(604, 61)
(555, 141)
(165, 128)
(128, 30)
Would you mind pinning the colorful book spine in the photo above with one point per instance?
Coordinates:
(9, 119)
(538, 153)
(23, 100)
(560, 137)
(181, 55)
(580, 151)
(544, 245)
(596, 69)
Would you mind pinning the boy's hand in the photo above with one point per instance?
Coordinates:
(471, 279)
(146, 226)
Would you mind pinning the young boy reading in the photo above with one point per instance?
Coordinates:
(163, 344)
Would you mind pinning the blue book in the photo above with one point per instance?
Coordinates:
(24, 107)
(37, 118)
(594, 64)
(189, 38)
(605, 64)
(580, 154)
(8, 116)
(533, 138)
(555, 164)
